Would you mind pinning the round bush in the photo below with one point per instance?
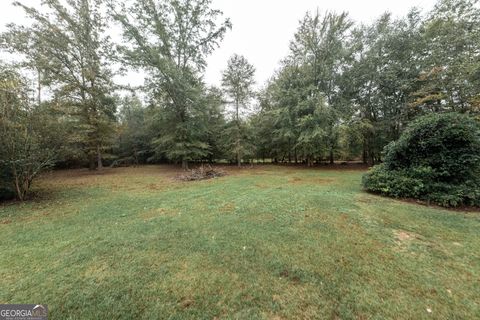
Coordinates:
(436, 159)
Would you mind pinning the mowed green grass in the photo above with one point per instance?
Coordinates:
(264, 243)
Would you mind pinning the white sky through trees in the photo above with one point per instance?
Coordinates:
(262, 29)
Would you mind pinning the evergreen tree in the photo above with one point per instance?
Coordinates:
(238, 81)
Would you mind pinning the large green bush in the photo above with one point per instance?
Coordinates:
(437, 159)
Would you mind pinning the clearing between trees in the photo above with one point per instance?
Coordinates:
(267, 242)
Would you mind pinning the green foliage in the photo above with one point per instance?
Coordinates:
(304, 104)
(436, 159)
(344, 92)
(67, 47)
(382, 78)
(237, 82)
(170, 40)
(398, 183)
(25, 149)
(450, 78)
(134, 133)
(375, 78)
(215, 117)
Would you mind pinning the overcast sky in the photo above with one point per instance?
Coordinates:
(262, 29)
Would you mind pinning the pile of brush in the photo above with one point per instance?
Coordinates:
(202, 173)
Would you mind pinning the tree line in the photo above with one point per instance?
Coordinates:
(344, 91)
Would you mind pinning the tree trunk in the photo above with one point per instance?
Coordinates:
(364, 156)
(237, 142)
(332, 160)
(39, 88)
(135, 157)
(91, 161)
(237, 146)
(99, 159)
(18, 189)
(185, 165)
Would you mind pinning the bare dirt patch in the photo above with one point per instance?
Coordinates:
(295, 180)
(186, 302)
(403, 236)
(299, 181)
(154, 187)
(292, 277)
(404, 239)
(228, 207)
(145, 178)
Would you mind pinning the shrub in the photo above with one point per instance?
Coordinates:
(437, 159)
(25, 150)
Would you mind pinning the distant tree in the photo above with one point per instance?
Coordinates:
(264, 125)
(237, 82)
(171, 39)
(214, 105)
(134, 136)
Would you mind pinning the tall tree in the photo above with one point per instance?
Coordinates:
(170, 39)
(450, 78)
(321, 47)
(382, 79)
(237, 82)
(72, 55)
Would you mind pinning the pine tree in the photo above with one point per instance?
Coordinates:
(237, 82)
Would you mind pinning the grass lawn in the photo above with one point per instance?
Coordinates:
(264, 243)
